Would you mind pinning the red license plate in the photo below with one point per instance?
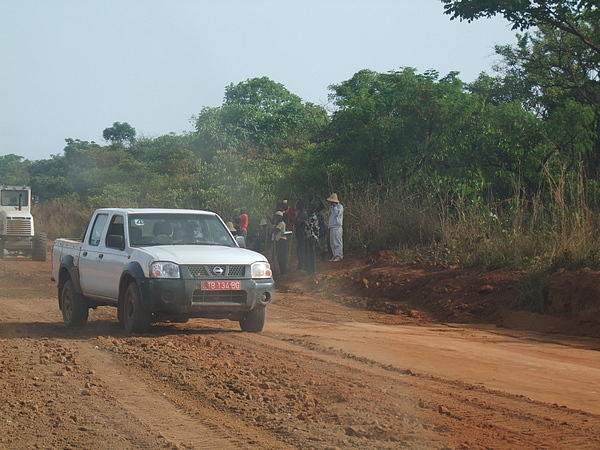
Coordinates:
(221, 285)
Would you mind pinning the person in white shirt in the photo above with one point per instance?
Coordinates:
(336, 220)
(281, 243)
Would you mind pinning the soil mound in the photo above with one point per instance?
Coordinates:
(428, 292)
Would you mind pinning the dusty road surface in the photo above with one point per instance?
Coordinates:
(323, 375)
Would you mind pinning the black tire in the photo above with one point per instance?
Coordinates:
(135, 318)
(254, 321)
(39, 249)
(74, 306)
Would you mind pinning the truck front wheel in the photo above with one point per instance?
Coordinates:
(135, 318)
(39, 248)
(254, 321)
(74, 306)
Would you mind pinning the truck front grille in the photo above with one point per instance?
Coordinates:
(209, 271)
(18, 227)
(219, 297)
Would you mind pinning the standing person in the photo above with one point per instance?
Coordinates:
(260, 243)
(311, 238)
(322, 241)
(243, 224)
(231, 228)
(289, 215)
(300, 225)
(281, 243)
(336, 220)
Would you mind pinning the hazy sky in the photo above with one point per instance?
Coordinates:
(71, 68)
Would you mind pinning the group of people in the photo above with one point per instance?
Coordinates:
(307, 223)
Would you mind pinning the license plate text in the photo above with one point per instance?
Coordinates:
(221, 285)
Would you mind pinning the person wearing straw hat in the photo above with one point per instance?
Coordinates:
(260, 243)
(336, 220)
(231, 228)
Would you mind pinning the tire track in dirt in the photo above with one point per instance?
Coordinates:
(151, 407)
(511, 419)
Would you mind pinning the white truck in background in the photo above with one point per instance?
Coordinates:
(17, 231)
(159, 265)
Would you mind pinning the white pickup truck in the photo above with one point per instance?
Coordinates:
(161, 265)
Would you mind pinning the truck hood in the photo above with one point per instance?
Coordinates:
(202, 254)
(14, 213)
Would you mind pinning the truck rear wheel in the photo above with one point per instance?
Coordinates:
(135, 318)
(39, 247)
(74, 306)
(254, 321)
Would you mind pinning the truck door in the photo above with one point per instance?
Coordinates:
(113, 258)
(90, 250)
(104, 263)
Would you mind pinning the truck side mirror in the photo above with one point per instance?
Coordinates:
(116, 241)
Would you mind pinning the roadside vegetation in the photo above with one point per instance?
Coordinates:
(503, 171)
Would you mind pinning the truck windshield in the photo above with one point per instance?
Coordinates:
(177, 229)
(11, 197)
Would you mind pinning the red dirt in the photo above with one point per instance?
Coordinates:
(362, 355)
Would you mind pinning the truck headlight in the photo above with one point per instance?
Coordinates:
(163, 269)
(261, 270)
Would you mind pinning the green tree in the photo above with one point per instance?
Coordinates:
(260, 118)
(168, 154)
(556, 73)
(119, 133)
(391, 126)
(402, 128)
(14, 169)
(50, 178)
(575, 17)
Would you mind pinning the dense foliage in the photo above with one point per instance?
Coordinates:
(499, 171)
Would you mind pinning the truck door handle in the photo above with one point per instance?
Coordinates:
(100, 256)
(84, 253)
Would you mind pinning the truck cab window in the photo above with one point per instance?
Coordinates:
(96, 234)
(116, 228)
(12, 198)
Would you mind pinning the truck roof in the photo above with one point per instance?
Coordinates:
(155, 211)
(15, 188)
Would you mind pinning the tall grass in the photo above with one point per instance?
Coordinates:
(554, 227)
(64, 217)
(377, 218)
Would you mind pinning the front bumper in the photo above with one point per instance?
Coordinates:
(14, 243)
(183, 297)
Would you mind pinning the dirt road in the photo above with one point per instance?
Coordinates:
(322, 375)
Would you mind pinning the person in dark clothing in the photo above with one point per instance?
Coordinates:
(311, 238)
(322, 241)
(300, 225)
(281, 243)
(260, 242)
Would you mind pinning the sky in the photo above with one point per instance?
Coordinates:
(71, 68)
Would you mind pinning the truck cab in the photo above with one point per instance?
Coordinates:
(17, 230)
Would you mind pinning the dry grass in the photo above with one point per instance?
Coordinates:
(65, 217)
(557, 227)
